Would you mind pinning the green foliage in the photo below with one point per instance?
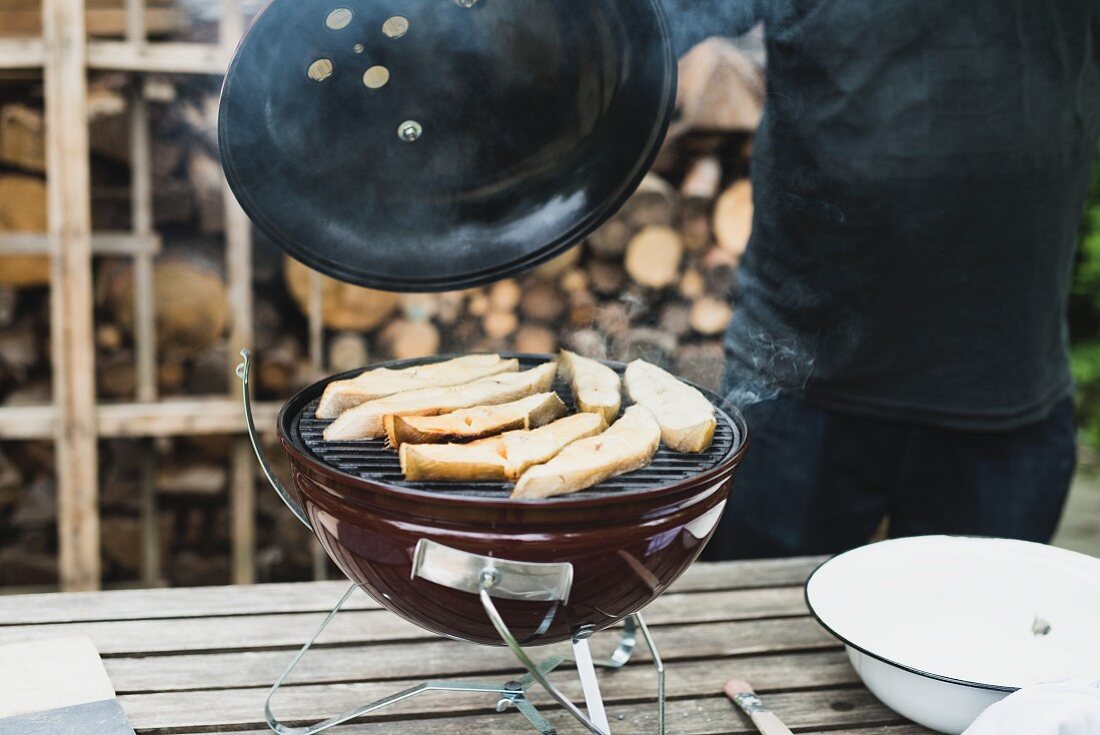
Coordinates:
(1085, 363)
(1085, 319)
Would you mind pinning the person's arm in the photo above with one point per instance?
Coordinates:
(690, 21)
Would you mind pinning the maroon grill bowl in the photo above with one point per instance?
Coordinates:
(626, 548)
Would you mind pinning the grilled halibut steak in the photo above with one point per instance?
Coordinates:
(628, 445)
(498, 458)
(342, 395)
(474, 423)
(685, 415)
(365, 421)
(596, 387)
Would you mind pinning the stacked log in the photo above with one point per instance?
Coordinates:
(103, 18)
(23, 210)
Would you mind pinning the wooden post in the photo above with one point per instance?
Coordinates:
(231, 27)
(242, 512)
(135, 22)
(150, 526)
(67, 161)
(243, 489)
(141, 196)
(238, 233)
(316, 323)
(141, 204)
(145, 329)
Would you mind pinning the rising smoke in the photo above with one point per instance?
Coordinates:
(762, 364)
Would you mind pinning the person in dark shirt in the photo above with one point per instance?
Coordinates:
(899, 341)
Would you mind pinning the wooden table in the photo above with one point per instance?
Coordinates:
(202, 659)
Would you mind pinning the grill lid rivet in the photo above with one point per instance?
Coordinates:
(465, 3)
(409, 131)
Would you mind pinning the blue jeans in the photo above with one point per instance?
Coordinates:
(816, 481)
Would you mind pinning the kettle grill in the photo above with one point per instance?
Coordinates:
(466, 561)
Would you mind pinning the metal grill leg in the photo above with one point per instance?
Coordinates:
(587, 671)
(628, 641)
(660, 666)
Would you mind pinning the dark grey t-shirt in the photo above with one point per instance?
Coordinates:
(919, 176)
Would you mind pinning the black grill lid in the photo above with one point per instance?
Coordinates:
(421, 145)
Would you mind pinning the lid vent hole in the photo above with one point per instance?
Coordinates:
(376, 77)
(339, 18)
(396, 26)
(320, 70)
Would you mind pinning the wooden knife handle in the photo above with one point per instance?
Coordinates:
(768, 723)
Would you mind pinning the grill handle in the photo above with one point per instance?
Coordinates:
(510, 580)
(243, 372)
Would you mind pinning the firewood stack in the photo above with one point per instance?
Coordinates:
(655, 281)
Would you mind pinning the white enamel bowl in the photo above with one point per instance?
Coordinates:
(941, 627)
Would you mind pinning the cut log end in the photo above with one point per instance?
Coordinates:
(653, 257)
(710, 316)
(343, 306)
(733, 218)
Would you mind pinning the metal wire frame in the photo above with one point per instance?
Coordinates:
(512, 693)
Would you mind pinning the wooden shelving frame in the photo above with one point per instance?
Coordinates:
(74, 421)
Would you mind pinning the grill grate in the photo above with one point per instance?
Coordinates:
(373, 460)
